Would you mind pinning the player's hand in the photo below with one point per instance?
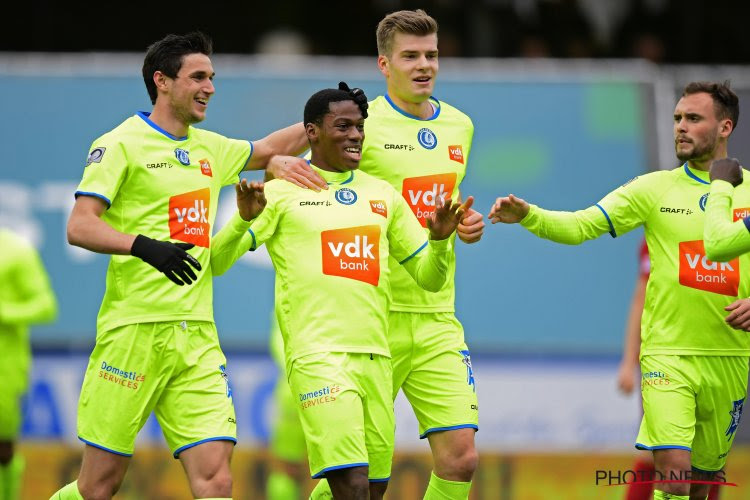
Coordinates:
(508, 210)
(251, 200)
(626, 378)
(295, 170)
(471, 227)
(739, 317)
(726, 169)
(169, 258)
(446, 217)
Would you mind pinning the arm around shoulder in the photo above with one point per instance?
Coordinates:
(723, 239)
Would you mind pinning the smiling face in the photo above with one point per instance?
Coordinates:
(698, 132)
(189, 92)
(411, 67)
(336, 144)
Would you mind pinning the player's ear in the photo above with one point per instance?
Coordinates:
(160, 80)
(726, 127)
(312, 131)
(383, 64)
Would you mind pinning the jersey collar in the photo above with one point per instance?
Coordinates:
(696, 174)
(334, 177)
(144, 115)
(435, 102)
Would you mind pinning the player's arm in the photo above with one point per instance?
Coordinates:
(32, 300)
(632, 343)
(87, 230)
(428, 265)
(723, 239)
(570, 228)
(277, 153)
(242, 233)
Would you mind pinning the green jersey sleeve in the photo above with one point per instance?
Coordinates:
(106, 168)
(236, 153)
(426, 263)
(570, 228)
(723, 239)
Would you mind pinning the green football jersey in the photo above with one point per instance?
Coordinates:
(166, 188)
(421, 159)
(686, 292)
(330, 251)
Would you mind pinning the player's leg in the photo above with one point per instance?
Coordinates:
(719, 408)
(287, 446)
(668, 387)
(196, 411)
(641, 488)
(380, 423)
(126, 373)
(330, 405)
(441, 389)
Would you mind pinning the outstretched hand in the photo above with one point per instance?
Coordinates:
(446, 217)
(295, 170)
(508, 210)
(471, 228)
(726, 169)
(251, 200)
(739, 317)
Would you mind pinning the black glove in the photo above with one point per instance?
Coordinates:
(726, 169)
(169, 258)
(358, 96)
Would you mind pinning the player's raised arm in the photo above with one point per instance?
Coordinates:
(723, 239)
(274, 153)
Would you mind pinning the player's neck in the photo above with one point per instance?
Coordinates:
(317, 161)
(422, 110)
(167, 121)
(705, 165)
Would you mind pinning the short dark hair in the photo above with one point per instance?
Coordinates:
(319, 103)
(410, 22)
(726, 102)
(166, 56)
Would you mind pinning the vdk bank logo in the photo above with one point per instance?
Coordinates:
(352, 252)
(188, 217)
(696, 271)
(421, 193)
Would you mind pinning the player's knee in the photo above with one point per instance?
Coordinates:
(99, 490)
(458, 464)
(218, 484)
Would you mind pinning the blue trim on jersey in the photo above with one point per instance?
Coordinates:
(450, 428)
(321, 473)
(255, 243)
(104, 448)
(145, 116)
(350, 179)
(217, 438)
(95, 195)
(662, 447)
(383, 480)
(252, 150)
(693, 176)
(415, 252)
(612, 231)
(414, 117)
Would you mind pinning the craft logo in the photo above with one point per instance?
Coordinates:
(128, 379)
(422, 192)
(696, 271)
(427, 138)
(188, 217)
(346, 196)
(320, 396)
(404, 147)
(735, 414)
(456, 153)
(206, 167)
(379, 207)
(352, 253)
(95, 156)
(182, 156)
(740, 213)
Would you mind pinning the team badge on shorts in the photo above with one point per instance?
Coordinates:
(182, 156)
(346, 196)
(224, 375)
(469, 370)
(736, 413)
(427, 138)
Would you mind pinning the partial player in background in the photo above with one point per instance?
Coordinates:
(421, 146)
(694, 366)
(149, 194)
(26, 298)
(287, 440)
(641, 488)
(330, 251)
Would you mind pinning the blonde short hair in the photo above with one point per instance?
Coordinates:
(410, 22)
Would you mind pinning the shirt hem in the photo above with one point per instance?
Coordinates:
(172, 317)
(740, 353)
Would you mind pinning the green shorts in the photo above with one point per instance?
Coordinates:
(344, 402)
(14, 373)
(175, 369)
(432, 365)
(692, 403)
